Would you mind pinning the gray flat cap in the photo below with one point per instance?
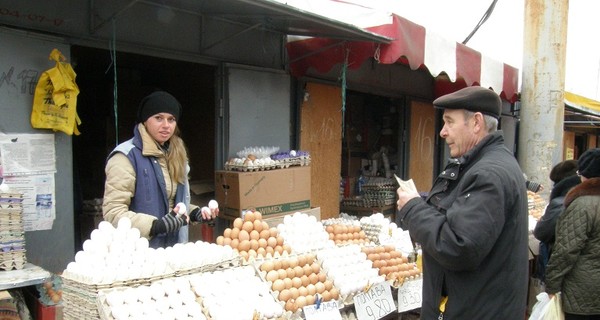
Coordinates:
(476, 99)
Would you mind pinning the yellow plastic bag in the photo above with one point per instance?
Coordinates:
(55, 98)
(547, 308)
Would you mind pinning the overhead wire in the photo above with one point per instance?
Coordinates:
(483, 19)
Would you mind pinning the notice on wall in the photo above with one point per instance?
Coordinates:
(25, 154)
(27, 166)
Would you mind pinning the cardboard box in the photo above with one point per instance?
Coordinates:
(275, 220)
(270, 191)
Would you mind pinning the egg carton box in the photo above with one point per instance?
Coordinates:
(79, 303)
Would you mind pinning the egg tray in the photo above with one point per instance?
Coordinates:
(79, 303)
(93, 287)
(230, 263)
(286, 315)
(14, 260)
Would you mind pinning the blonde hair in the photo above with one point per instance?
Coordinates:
(177, 158)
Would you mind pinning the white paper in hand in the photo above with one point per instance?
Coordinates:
(406, 185)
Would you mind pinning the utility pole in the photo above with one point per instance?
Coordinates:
(542, 88)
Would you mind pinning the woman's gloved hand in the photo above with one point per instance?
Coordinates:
(205, 214)
(169, 223)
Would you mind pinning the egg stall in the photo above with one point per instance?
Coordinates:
(266, 272)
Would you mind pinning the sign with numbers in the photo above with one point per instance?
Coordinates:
(325, 311)
(410, 294)
(375, 303)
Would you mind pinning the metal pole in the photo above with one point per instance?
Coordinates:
(542, 88)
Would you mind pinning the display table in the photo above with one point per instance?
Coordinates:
(29, 275)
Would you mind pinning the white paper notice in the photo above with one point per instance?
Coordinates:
(39, 207)
(410, 295)
(22, 154)
(374, 304)
(326, 311)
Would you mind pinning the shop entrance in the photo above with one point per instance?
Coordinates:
(106, 122)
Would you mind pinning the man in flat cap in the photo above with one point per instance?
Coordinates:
(473, 225)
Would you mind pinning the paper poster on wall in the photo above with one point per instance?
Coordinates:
(27, 166)
(39, 207)
(23, 154)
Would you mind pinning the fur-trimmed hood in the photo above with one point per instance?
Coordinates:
(590, 187)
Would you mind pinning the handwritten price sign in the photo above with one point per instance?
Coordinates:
(409, 295)
(326, 311)
(375, 303)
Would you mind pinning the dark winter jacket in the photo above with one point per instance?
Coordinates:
(473, 229)
(574, 267)
(544, 228)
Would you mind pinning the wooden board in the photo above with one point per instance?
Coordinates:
(321, 135)
(422, 142)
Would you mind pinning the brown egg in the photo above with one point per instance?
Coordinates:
(253, 245)
(335, 294)
(307, 270)
(322, 276)
(285, 263)
(315, 267)
(296, 282)
(244, 245)
(279, 249)
(302, 291)
(262, 243)
(326, 296)
(278, 285)
(235, 233)
(270, 250)
(254, 235)
(248, 226)
(220, 240)
(234, 243)
(227, 233)
(287, 248)
(310, 300)
(249, 216)
(272, 242)
(328, 284)
(266, 266)
(305, 280)
(272, 275)
(226, 241)
(298, 271)
(258, 225)
(244, 235)
(329, 229)
(237, 223)
(301, 302)
(284, 295)
(252, 253)
(265, 225)
(314, 278)
(282, 274)
(257, 215)
(293, 262)
(290, 273)
(264, 234)
(261, 252)
(312, 289)
(310, 258)
(320, 287)
(276, 264)
(279, 240)
(302, 260)
(294, 292)
(273, 232)
(290, 305)
(288, 283)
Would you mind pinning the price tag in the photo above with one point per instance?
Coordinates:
(375, 303)
(326, 311)
(410, 294)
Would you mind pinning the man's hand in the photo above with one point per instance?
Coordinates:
(404, 197)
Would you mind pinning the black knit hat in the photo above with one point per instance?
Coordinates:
(476, 99)
(589, 163)
(157, 102)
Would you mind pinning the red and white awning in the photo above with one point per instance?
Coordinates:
(412, 45)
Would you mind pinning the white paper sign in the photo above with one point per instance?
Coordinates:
(410, 295)
(326, 311)
(375, 303)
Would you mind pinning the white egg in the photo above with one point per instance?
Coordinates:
(213, 204)
(182, 208)
(124, 224)
(106, 227)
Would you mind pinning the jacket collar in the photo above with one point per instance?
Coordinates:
(590, 187)
(455, 165)
(144, 141)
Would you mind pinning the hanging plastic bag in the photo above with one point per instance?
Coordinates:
(546, 308)
(55, 98)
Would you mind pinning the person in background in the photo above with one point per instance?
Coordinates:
(563, 169)
(544, 228)
(147, 176)
(574, 267)
(472, 227)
